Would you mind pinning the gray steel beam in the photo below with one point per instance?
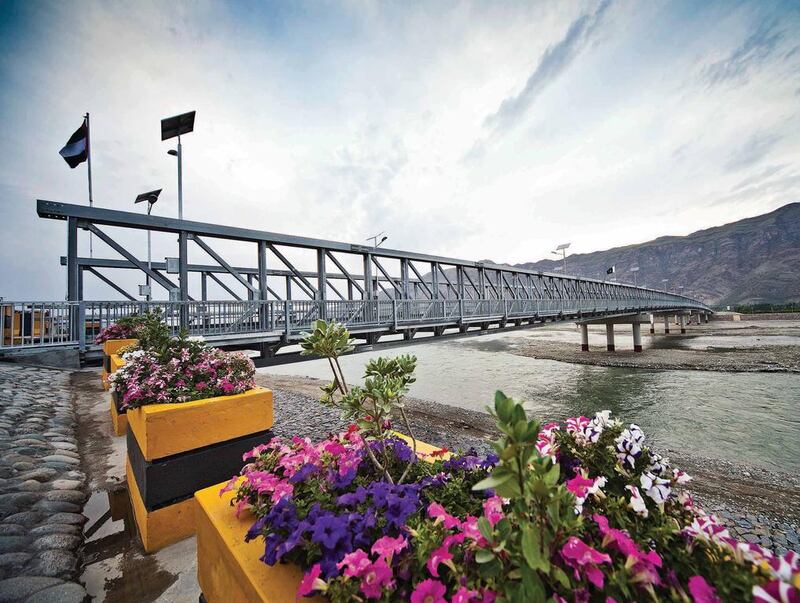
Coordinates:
(183, 276)
(154, 274)
(291, 267)
(228, 268)
(397, 288)
(72, 260)
(62, 211)
(351, 281)
(230, 291)
(110, 283)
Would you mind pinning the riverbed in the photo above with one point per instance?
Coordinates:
(745, 417)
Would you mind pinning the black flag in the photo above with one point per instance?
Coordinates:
(76, 150)
(611, 270)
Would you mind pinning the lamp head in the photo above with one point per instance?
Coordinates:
(172, 152)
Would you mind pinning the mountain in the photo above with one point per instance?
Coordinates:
(756, 260)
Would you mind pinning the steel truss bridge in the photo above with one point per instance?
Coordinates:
(373, 290)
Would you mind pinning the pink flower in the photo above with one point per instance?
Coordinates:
(469, 527)
(440, 555)
(489, 596)
(230, 485)
(702, 591)
(200, 385)
(386, 547)
(429, 591)
(437, 512)
(493, 509)
(463, 595)
(354, 563)
(374, 577)
(226, 386)
(311, 582)
(580, 556)
(579, 485)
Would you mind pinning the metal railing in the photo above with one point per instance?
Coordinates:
(28, 325)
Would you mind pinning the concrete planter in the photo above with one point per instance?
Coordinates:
(228, 568)
(176, 449)
(112, 347)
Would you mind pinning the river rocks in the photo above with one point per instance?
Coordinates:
(56, 563)
(71, 496)
(41, 484)
(56, 541)
(61, 593)
(66, 518)
(14, 589)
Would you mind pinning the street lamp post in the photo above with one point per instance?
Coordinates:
(151, 198)
(375, 242)
(634, 269)
(563, 253)
(172, 127)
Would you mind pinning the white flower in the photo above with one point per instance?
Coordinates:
(637, 502)
(656, 488)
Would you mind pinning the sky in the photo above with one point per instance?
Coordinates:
(478, 130)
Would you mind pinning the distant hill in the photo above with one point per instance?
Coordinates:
(756, 260)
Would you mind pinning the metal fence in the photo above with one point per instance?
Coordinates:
(46, 324)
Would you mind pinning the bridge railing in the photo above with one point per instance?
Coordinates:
(43, 324)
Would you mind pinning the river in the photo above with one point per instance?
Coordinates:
(745, 417)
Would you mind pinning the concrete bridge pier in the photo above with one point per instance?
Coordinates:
(584, 337)
(666, 324)
(652, 324)
(683, 324)
(637, 337)
(610, 336)
(705, 317)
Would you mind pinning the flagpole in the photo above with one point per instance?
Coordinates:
(89, 171)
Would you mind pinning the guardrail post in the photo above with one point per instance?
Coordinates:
(82, 326)
(287, 328)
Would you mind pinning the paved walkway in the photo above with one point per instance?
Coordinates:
(41, 487)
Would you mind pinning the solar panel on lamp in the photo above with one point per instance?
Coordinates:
(177, 125)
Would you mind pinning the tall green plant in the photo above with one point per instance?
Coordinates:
(541, 513)
(373, 405)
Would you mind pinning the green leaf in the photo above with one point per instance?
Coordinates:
(493, 481)
(531, 549)
(484, 556)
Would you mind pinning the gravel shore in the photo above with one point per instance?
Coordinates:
(757, 505)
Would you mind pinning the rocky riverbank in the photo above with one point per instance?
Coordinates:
(758, 505)
(675, 351)
(41, 487)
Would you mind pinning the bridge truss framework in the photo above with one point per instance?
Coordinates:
(374, 291)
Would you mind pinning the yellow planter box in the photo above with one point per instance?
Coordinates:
(176, 449)
(112, 346)
(161, 527)
(228, 568)
(119, 420)
(116, 362)
(166, 429)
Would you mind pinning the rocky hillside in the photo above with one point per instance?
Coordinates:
(756, 260)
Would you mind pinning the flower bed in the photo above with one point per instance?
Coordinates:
(191, 411)
(581, 511)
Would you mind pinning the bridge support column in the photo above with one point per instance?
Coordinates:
(610, 336)
(683, 324)
(652, 324)
(584, 338)
(637, 337)
(666, 324)
(705, 317)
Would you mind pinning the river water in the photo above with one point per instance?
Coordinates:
(749, 418)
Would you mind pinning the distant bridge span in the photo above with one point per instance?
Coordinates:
(374, 291)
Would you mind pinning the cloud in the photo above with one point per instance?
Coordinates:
(555, 60)
(745, 58)
(752, 151)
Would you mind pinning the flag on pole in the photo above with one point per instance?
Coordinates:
(76, 151)
(611, 270)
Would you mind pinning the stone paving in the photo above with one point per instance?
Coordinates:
(41, 487)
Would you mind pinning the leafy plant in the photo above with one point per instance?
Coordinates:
(373, 405)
